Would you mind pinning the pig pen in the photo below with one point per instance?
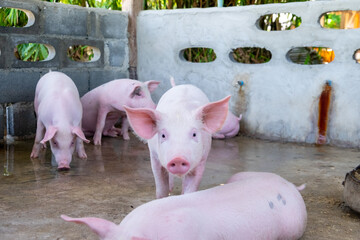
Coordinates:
(117, 177)
(278, 101)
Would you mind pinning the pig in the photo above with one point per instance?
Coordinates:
(103, 106)
(179, 135)
(230, 128)
(252, 205)
(58, 110)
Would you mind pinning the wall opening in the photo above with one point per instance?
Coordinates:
(198, 55)
(340, 19)
(311, 55)
(14, 17)
(279, 22)
(34, 52)
(83, 53)
(356, 55)
(250, 55)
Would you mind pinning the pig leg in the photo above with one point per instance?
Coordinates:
(192, 180)
(100, 126)
(161, 176)
(112, 132)
(80, 148)
(40, 131)
(125, 128)
(171, 182)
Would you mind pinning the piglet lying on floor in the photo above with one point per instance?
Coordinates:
(103, 106)
(58, 111)
(230, 128)
(250, 206)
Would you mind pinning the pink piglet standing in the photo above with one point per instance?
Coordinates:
(103, 106)
(251, 206)
(179, 135)
(59, 111)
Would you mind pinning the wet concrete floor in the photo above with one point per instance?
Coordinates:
(116, 178)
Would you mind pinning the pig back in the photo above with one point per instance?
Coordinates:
(56, 94)
(254, 206)
(186, 96)
(56, 84)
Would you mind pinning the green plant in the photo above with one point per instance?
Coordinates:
(80, 53)
(31, 52)
(199, 55)
(12, 17)
(251, 55)
(332, 20)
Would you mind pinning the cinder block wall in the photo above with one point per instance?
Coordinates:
(60, 26)
(279, 100)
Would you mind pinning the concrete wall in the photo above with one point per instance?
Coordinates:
(61, 26)
(279, 99)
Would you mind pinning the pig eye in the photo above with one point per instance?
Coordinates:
(163, 136)
(194, 135)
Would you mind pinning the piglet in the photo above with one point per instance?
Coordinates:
(230, 128)
(179, 135)
(58, 110)
(103, 106)
(252, 205)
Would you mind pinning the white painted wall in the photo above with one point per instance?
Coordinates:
(279, 99)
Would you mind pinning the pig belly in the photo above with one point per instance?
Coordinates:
(111, 119)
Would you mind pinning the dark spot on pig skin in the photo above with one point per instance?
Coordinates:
(279, 197)
(271, 205)
(284, 202)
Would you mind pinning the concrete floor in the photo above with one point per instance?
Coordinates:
(117, 178)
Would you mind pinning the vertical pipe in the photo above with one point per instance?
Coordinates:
(9, 120)
(220, 3)
(324, 107)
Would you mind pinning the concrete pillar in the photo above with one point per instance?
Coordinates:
(133, 7)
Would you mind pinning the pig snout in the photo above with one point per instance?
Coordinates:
(63, 165)
(178, 166)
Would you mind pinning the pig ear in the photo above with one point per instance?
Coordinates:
(98, 225)
(152, 85)
(49, 134)
(143, 121)
(213, 115)
(78, 132)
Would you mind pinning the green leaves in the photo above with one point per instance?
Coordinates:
(12, 17)
(31, 52)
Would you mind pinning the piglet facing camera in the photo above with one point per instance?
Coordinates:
(252, 205)
(179, 135)
(59, 112)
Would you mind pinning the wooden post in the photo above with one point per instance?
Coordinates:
(133, 7)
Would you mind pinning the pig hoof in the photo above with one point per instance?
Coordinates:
(97, 142)
(34, 154)
(82, 155)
